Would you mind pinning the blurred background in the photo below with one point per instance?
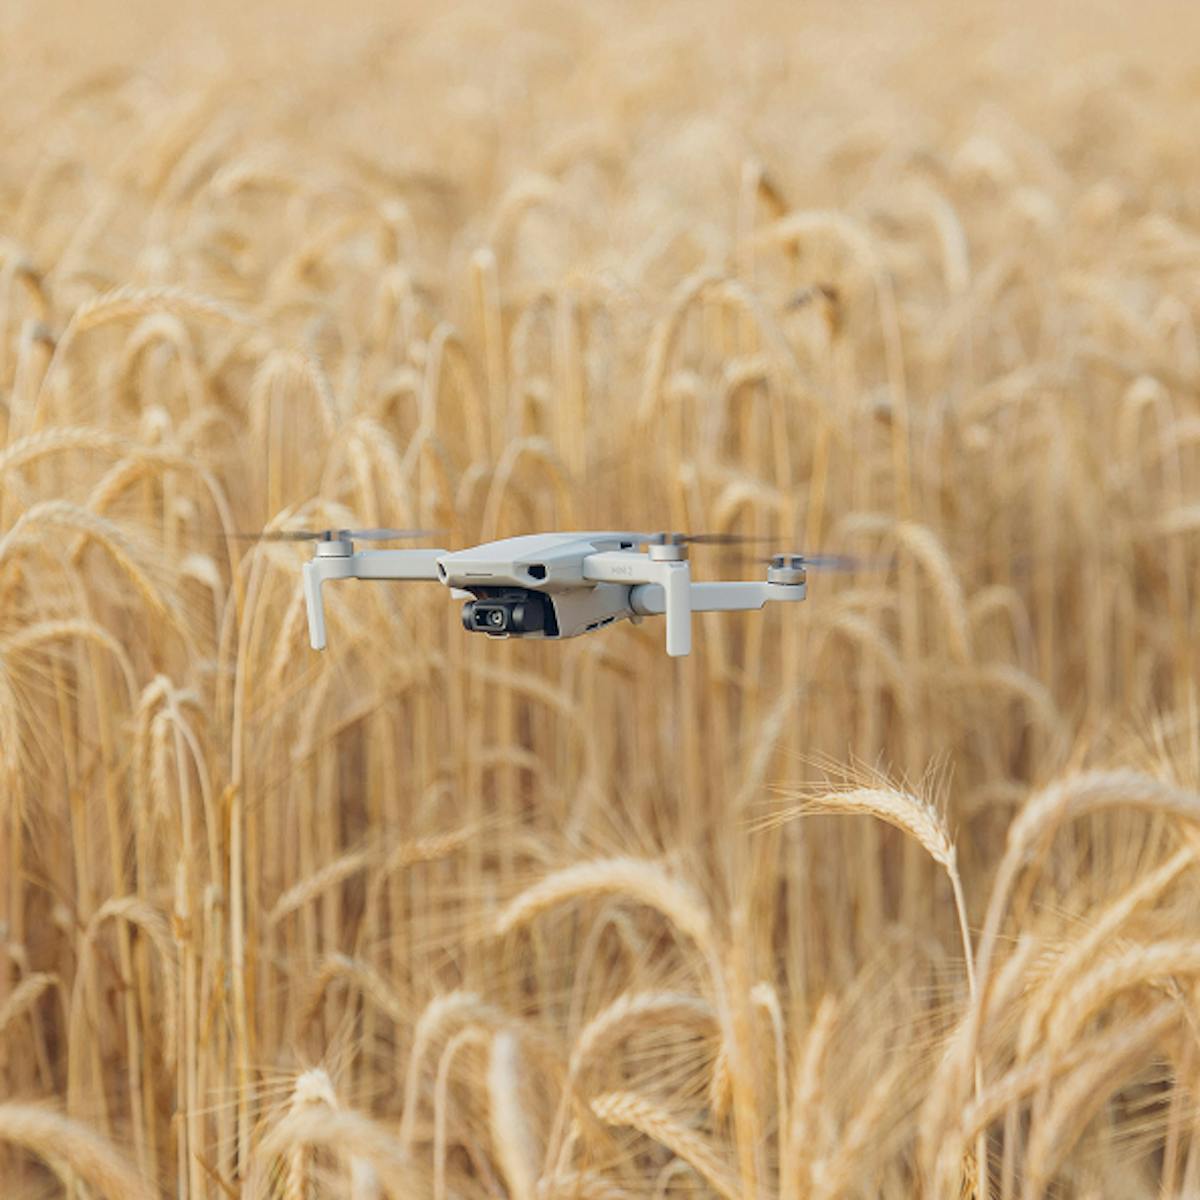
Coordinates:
(807, 913)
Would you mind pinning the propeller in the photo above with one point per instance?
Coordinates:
(334, 535)
(815, 562)
(701, 539)
(820, 562)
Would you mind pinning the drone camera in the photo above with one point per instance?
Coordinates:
(499, 616)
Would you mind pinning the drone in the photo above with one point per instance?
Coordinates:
(554, 585)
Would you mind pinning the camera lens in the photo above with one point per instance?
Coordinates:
(514, 615)
(494, 617)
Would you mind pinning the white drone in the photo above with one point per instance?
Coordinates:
(553, 585)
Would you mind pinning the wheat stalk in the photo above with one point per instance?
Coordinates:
(642, 1114)
(438, 1016)
(313, 1090)
(1085, 949)
(1087, 1089)
(513, 1143)
(644, 882)
(344, 1131)
(25, 995)
(73, 1150)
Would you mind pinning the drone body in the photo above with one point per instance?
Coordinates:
(556, 585)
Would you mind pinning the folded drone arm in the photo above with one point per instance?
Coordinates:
(366, 564)
(672, 579)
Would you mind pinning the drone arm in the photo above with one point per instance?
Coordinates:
(648, 599)
(397, 564)
(366, 564)
(672, 579)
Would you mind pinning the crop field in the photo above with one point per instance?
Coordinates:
(892, 893)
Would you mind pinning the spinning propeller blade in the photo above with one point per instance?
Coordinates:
(831, 562)
(333, 535)
(816, 562)
(386, 535)
(701, 539)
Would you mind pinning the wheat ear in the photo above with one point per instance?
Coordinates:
(73, 1150)
(642, 1114)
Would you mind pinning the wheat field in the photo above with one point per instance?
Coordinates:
(889, 894)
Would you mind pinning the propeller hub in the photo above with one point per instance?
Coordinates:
(336, 547)
(667, 547)
(787, 569)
